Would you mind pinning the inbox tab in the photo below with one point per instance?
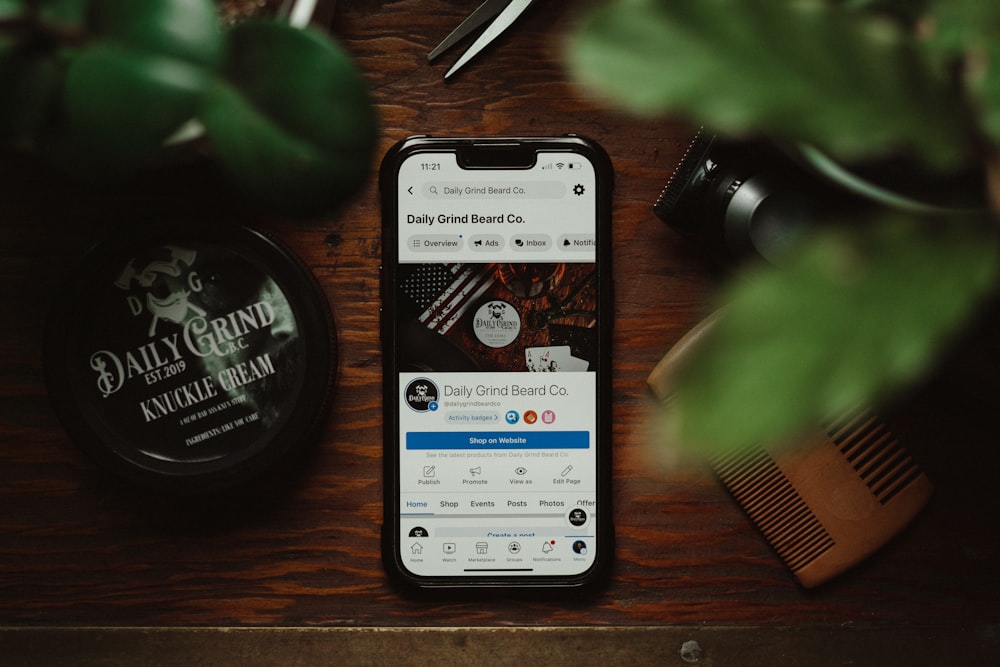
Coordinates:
(531, 243)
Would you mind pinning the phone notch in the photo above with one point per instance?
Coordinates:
(497, 155)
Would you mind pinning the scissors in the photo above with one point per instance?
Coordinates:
(505, 11)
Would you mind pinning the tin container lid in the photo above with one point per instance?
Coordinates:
(189, 358)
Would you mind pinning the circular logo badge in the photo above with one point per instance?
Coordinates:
(421, 395)
(496, 324)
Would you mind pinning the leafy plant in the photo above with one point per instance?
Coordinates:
(863, 309)
(98, 86)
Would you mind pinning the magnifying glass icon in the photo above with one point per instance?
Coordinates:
(433, 189)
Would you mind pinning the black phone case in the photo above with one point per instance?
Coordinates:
(508, 153)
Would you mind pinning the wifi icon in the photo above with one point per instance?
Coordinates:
(560, 165)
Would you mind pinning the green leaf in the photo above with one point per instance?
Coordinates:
(852, 318)
(955, 26)
(64, 12)
(852, 83)
(988, 92)
(119, 106)
(9, 10)
(966, 31)
(182, 29)
(293, 123)
(910, 11)
(142, 73)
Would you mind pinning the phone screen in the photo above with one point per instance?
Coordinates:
(497, 360)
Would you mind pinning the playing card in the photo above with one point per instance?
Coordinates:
(553, 359)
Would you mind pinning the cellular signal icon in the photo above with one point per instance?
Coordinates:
(547, 166)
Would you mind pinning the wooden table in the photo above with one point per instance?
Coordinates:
(88, 568)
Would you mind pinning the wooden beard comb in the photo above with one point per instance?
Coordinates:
(826, 502)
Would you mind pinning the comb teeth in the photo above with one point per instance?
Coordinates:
(875, 453)
(774, 506)
(677, 184)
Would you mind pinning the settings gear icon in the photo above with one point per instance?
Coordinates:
(578, 189)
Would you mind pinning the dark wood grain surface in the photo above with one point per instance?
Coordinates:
(302, 548)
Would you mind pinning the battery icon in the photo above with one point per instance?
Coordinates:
(574, 165)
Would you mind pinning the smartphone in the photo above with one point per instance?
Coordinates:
(496, 324)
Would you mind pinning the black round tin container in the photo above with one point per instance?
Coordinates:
(189, 358)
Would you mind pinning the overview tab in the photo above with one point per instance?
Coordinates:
(435, 243)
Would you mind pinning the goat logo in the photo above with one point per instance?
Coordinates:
(167, 282)
(421, 395)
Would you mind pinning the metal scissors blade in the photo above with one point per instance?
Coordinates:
(483, 13)
(505, 11)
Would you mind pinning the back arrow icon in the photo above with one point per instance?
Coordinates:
(410, 189)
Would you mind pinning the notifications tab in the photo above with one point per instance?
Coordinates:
(577, 243)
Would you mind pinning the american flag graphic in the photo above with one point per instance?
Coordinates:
(447, 291)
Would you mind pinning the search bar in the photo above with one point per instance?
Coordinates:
(456, 191)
